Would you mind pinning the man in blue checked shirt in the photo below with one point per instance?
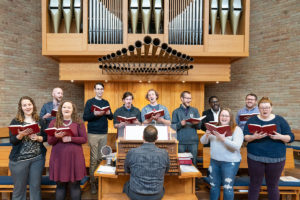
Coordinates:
(147, 166)
(249, 109)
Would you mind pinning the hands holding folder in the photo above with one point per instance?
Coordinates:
(65, 134)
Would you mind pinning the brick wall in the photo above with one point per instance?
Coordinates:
(273, 67)
(23, 69)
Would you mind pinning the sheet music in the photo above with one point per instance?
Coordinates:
(289, 179)
(104, 169)
(188, 168)
(136, 132)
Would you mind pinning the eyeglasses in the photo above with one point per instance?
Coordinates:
(188, 98)
(214, 102)
(224, 116)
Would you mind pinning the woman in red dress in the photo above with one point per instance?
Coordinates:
(67, 164)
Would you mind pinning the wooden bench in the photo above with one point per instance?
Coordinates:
(6, 183)
(242, 183)
(296, 148)
(4, 136)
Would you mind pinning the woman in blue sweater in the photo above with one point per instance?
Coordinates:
(266, 153)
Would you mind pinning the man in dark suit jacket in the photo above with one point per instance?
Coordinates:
(212, 114)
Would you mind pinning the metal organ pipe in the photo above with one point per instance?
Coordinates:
(147, 42)
(105, 22)
(185, 22)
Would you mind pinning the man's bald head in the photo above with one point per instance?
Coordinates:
(57, 94)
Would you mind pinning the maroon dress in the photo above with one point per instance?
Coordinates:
(67, 162)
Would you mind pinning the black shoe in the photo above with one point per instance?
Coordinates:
(94, 188)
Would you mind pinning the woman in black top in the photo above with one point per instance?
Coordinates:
(27, 157)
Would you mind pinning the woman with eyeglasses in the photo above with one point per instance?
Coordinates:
(225, 156)
(266, 152)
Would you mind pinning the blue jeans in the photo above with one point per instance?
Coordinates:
(222, 173)
(193, 148)
(27, 171)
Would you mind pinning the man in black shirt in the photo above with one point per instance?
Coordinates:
(212, 114)
(97, 129)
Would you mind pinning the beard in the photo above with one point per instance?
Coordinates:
(57, 99)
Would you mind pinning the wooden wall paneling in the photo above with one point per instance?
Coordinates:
(169, 94)
(109, 90)
(88, 91)
(225, 43)
(198, 96)
(139, 91)
(167, 97)
(65, 42)
(206, 72)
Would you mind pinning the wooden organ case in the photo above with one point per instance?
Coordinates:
(76, 34)
(171, 146)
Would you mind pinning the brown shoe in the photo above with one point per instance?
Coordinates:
(94, 188)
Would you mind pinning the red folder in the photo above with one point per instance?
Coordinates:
(150, 114)
(265, 128)
(14, 128)
(185, 161)
(198, 120)
(51, 131)
(213, 122)
(129, 120)
(226, 129)
(97, 108)
(245, 117)
(53, 113)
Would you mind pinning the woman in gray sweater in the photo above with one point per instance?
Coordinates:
(225, 155)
